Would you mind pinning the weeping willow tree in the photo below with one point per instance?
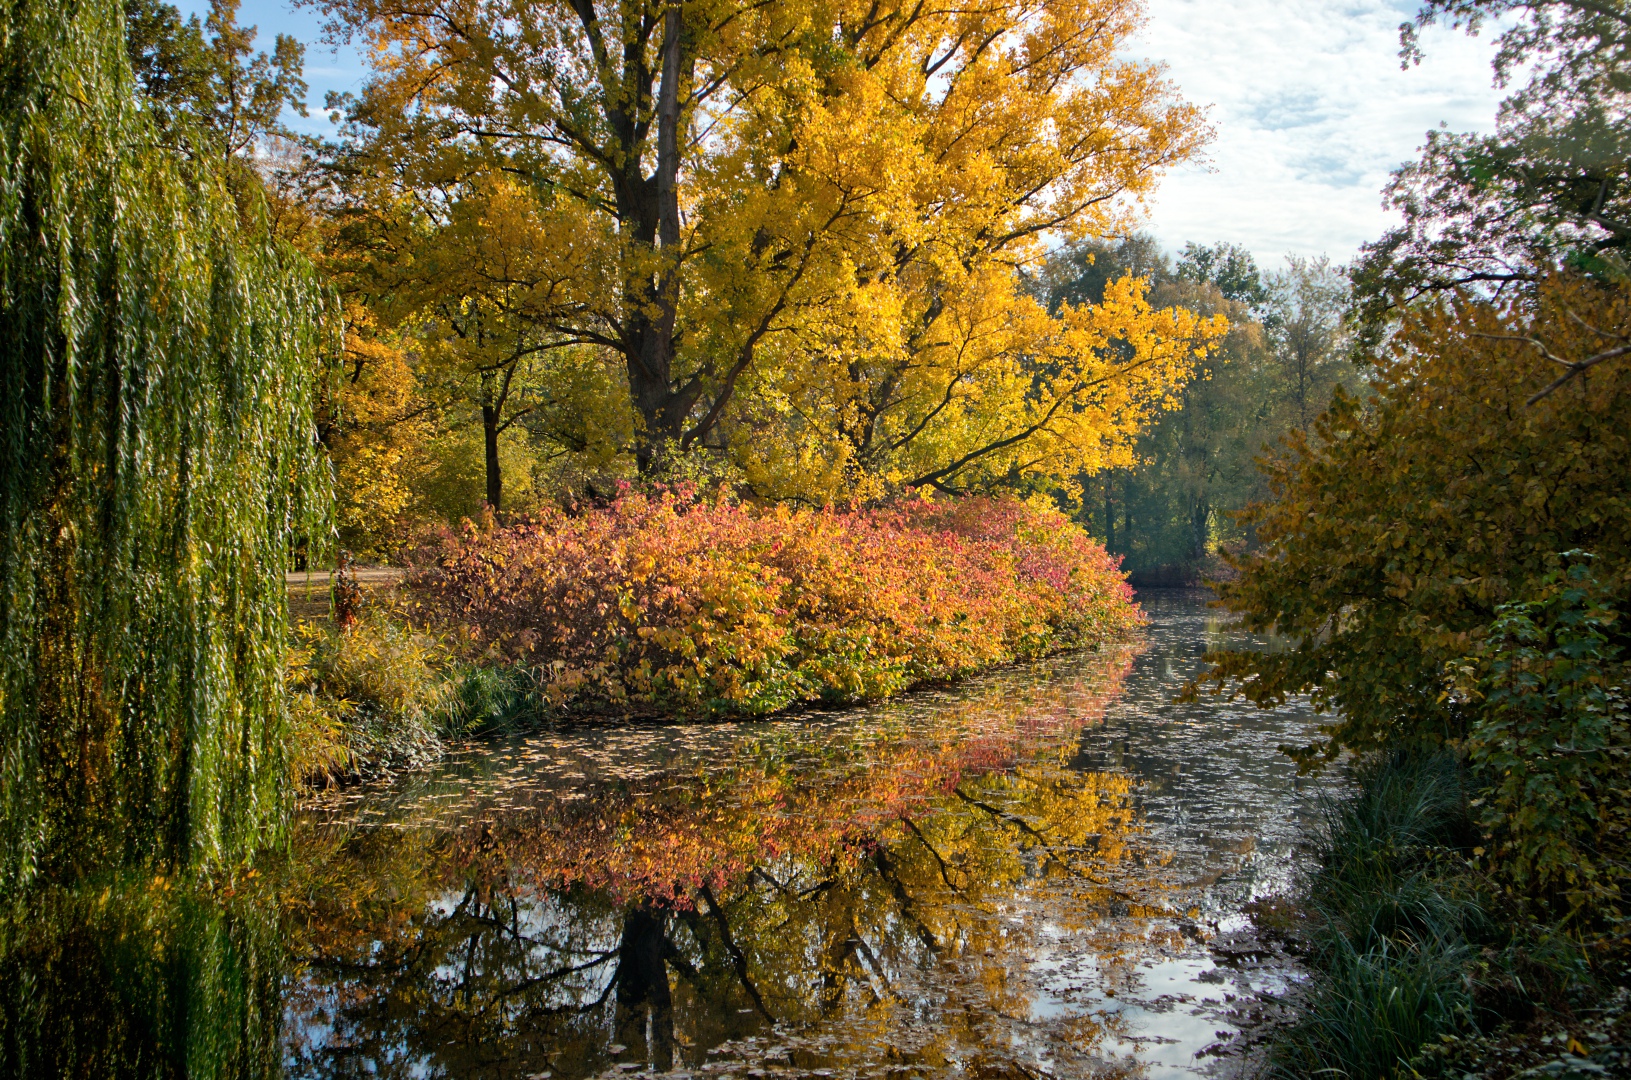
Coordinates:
(158, 353)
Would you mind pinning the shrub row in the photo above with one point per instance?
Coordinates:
(669, 604)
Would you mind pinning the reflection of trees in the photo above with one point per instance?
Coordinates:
(504, 955)
(865, 888)
(139, 978)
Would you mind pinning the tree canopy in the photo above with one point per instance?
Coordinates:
(1549, 189)
(790, 235)
(158, 356)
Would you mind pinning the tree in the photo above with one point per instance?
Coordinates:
(1172, 501)
(463, 275)
(1228, 267)
(795, 228)
(1551, 188)
(157, 461)
(1397, 528)
(1306, 305)
(203, 83)
(1080, 273)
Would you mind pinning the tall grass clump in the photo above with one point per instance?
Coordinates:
(158, 355)
(673, 605)
(1407, 943)
(379, 695)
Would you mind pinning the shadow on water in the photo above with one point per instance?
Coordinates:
(1035, 873)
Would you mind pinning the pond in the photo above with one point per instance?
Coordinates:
(1040, 872)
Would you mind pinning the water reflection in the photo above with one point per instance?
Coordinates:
(864, 883)
(1032, 874)
(141, 977)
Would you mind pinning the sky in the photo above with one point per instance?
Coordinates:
(1312, 114)
(1310, 107)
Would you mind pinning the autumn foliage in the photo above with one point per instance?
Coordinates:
(1449, 562)
(674, 605)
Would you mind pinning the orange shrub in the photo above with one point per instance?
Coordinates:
(673, 605)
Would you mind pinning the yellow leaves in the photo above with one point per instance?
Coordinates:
(861, 186)
(996, 384)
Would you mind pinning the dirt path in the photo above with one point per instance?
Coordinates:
(309, 592)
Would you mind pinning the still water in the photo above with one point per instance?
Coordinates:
(1037, 873)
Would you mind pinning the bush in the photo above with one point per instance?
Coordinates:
(1398, 528)
(369, 697)
(1550, 738)
(669, 604)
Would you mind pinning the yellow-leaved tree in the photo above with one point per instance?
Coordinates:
(796, 235)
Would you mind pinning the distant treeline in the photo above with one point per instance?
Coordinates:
(1170, 510)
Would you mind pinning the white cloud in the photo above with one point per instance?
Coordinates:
(1312, 113)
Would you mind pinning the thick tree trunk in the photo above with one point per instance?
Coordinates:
(645, 1006)
(651, 207)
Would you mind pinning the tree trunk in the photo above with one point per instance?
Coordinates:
(1109, 519)
(1200, 519)
(645, 1007)
(490, 408)
(651, 207)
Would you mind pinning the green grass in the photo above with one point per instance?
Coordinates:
(1402, 943)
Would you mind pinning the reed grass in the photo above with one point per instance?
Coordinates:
(1407, 943)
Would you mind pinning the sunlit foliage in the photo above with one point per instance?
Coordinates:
(379, 425)
(790, 232)
(672, 605)
(369, 697)
(157, 463)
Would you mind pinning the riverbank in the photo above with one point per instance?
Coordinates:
(1423, 965)
(672, 607)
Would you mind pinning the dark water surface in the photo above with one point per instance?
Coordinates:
(1036, 873)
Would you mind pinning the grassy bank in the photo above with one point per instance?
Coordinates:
(1422, 964)
(381, 695)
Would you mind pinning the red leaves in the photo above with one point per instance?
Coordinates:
(686, 607)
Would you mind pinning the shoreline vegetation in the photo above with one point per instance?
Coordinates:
(670, 605)
(1449, 561)
(1422, 963)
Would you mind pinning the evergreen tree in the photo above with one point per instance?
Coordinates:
(157, 359)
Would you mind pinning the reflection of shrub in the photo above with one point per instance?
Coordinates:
(671, 604)
(376, 695)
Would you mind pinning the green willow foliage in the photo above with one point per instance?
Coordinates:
(158, 353)
(142, 977)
